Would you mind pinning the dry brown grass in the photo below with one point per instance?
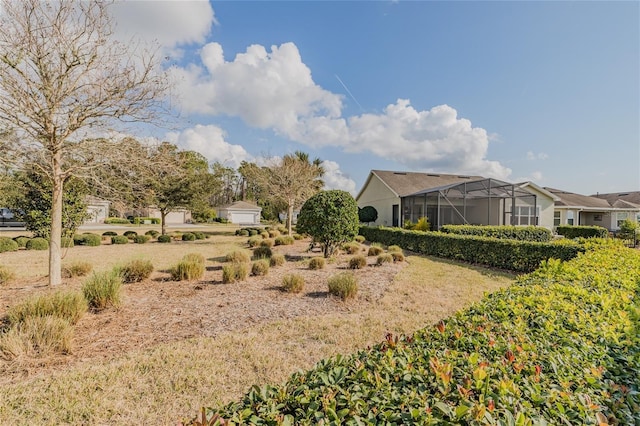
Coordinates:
(173, 380)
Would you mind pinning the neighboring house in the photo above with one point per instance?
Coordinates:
(454, 199)
(240, 212)
(98, 209)
(174, 217)
(620, 199)
(282, 216)
(577, 209)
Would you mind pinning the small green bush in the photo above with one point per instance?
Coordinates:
(187, 270)
(6, 275)
(352, 247)
(37, 244)
(130, 234)
(199, 235)
(116, 221)
(260, 267)
(7, 244)
(109, 234)
(119, 239)
(398, 256)
(76, 269)
(234, 272)
(87, 239)
(164, 239)
(193, 257)
(360, 239)
(188, 236)
(242, 232)
(141, 239)
(284, 240)
(68, 305)
(22, 241)
(262, 252)
(267, 243)
(136, 271)
(384, 258)
(254, 241)
(103, 289)
(152, 233)
(569, 231)
(343, 285)
(143, 220)
(293, 283)
(357, 262)
(66, 242)
(374, 251)
(316, 263)
(277, 259)
(238, 256)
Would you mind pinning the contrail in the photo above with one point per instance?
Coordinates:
(349, 92)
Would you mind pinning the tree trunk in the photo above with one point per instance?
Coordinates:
(55, 254)
(163, 217)
(290, 218)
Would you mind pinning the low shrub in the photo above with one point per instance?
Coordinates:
(274, 233)
(146, 220)
(277, 259)
(293, 283)
(7, 244)
(282, 229)
(357, 262)
(176, 236)
(87, 239)
(267, 243)
(572, 232)
(238, 256)
(68, 305)
(260, 267)
(284, 240)
(316, 263)
(103, 289)
(199, 235)
(298, 237)
(374, 250)
(164, 239)
(188, 236)
(119, 239)
(116, 221)
(66, 242)
(343, 285)
(360, 239)
(109, 234)
(193, 257)
(187, 270)
(6, 275)
(136, 271)
(234, 272)
(141, 239)
(76, 269)
(37, 244)
(21, 240)
(253, 232)
(521, 233)
(262, 252)
(152, 233)
(130, 234)
(384, 258)
(36, 337)
(254, 241)
(264, 234)
(397, 256)
(352, 247)
(242, 232)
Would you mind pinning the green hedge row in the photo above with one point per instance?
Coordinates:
(570, 231)
(561, 346)
(522, 233)
(520, 256)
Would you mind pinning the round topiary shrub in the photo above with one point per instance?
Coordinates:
(253, 232)
(66, 242)
(152, 233)
(293, 283)
(374, 251)
(199, 235)
(262, 252)
(344, 285)
(357, 262)
(21, 240)
(7, 244)
(316, 263)
(109, 234)
(37, 244)
(164, 238)
(277, 259)
(188, 236)
(92, 240)
(130, 234)
(141, 239)
(136, 271)
(119, 239)
(260, 267)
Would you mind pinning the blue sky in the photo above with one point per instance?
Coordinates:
(542, 91)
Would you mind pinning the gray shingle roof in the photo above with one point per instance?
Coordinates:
(572, 199)
(407, 183)
(630, 196)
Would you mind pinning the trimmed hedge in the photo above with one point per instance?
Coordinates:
(151, 220)
(561, 346)
(569, 231)
(87, 239)
(37, 244)
(116, 221)
(521, 233)
(520, 256)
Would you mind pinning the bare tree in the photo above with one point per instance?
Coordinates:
(291, 180)
(61, 73)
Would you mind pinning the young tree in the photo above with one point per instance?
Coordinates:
(61, 73)
(331, 218)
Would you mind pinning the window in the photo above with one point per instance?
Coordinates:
(597, 218)
(525, 215)
(570, 217)
(620, 218)
(556, 218)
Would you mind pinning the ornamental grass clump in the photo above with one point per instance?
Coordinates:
(193, 257)
(359, 239)
(67, 305)
(357, 262)
(277, 259)
(316, 263)
(394, 248)
(76, 269)
(267, 243)
(254, 241)
(262, 252)
(36, 337)
(293, 283)
(187, 270)
(384, 258)
(260, 267)
(238, 256)
(234, 272)
(352, 247)
(6, 275)
(136, 270)
(343, 285)
(284, 240)
(374, 251)
(103, 290)
(397, 256)
(37, 244)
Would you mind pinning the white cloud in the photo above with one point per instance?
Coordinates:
(535, 176)
(539, 156)
(334, 178)
(210, 142)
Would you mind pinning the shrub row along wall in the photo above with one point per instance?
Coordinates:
(522, 233)
(561, 346)
(520, 256)
(569, 231)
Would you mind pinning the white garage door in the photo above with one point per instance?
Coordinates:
(242, 217)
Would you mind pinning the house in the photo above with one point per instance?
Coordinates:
(454, 199)
(620, 199)
(577, 209)
(97, 209)
(240, 212)
(177, 216)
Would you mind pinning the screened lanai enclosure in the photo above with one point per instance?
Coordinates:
(480, 202)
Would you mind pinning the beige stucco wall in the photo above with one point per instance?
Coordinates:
(379, 196)
(547, 208)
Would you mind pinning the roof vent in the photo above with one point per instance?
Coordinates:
(622, 195)
(400, 173)
(428, 174)
(464, 177)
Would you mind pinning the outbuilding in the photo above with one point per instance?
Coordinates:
(240, 212)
